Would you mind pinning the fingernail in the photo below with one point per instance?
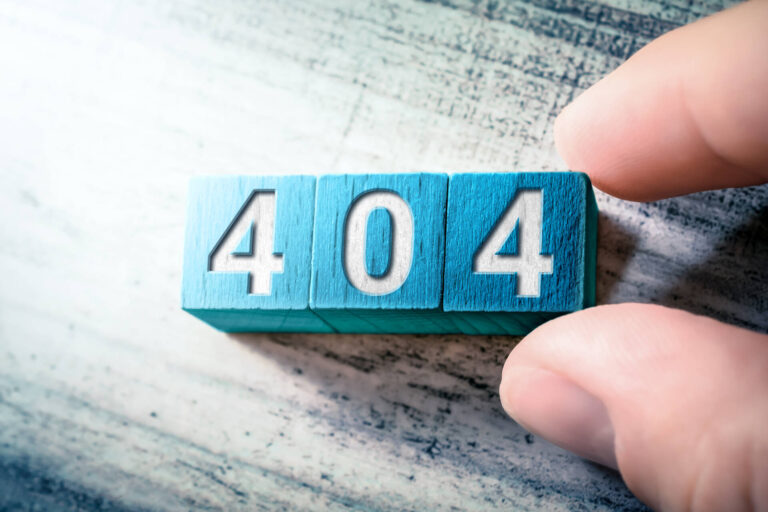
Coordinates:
(556, 409)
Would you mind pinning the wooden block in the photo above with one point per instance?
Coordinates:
(366, 253)
(520, 249)
(377, 262)
(248, 253)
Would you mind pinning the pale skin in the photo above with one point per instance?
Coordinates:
(678, 403)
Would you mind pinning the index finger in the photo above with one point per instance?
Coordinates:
(686, 113)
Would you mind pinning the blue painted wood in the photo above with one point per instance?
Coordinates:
(222, 298)
(415, 306)
(324, 299)
(488, 303)
(510, 245)
(378, 242)
(245, 247)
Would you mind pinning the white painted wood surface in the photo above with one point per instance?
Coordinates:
(112, 398)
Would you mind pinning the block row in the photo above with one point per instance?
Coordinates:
(492, 253)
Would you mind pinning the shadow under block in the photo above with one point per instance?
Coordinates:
(520, 249)
(377, 262)
(247, 255)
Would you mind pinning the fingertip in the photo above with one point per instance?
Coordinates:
(681, 115)
(573, 128)
(664, 395)
(564, 143)
(547, 402)
(555, 408)
(595, 133)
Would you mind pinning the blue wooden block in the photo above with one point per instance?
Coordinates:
(377, 262)
(248, 253)
(520, 249)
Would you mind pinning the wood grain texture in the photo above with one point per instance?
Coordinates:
(378, 242)
(113, 399)
(353, 248)
(476, 203)
(415, 306)
(223, 299)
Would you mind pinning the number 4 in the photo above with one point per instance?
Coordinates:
(525, 213)
(256, 221)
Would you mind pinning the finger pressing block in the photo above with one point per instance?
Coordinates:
(389, 253)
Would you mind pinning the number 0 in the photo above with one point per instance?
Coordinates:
(401, 251)
(524, 212)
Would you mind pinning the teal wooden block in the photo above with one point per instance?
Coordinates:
(377, 262)
(517, 249)
(247, 253)
(520, 249)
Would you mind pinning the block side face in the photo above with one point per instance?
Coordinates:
(503, 323)
(476, 323)
(476, 202)
(590, 247)
(372, 321)
(238, 320)
(425, 196)
(214, 203)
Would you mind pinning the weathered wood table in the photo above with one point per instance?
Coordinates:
(112, 398)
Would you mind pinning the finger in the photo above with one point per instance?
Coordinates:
(686, 113)
(677, 402)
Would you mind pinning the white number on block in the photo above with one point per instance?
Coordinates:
(257, 219)
(526, 212)
(401, 251)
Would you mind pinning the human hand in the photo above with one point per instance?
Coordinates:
(677, 403)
